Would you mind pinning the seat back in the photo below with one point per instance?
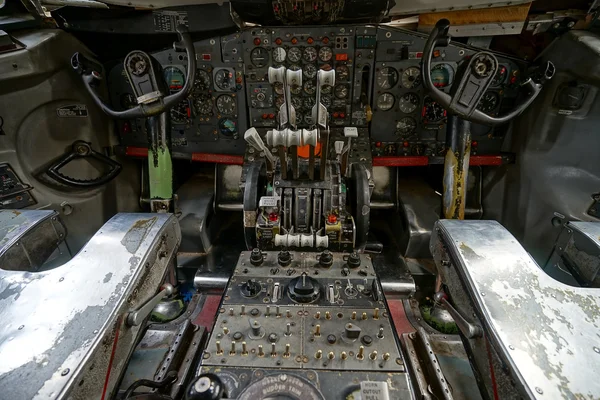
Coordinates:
(539, 336)
(64, 332)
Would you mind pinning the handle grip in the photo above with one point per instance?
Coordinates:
(83, 149)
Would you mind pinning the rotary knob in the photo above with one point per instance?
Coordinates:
(304, 289)
(353, 260)
(206, 387)
(284, 258)
(256, 257)
(250, 288)
(326, 259)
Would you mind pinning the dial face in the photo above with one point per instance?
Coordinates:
(387, 78)
(297, 102)
(326, 101)
(385, 101)
(175, 78)
(408, 103)
(389, 150)
(341, 91)
(294, 54)
(279, 55)
(309, 55)
(308, 120)
(227, 127)
(127, 100)
(405, 126)
(342, 73)
(326, 89)
(202, 82)
(309, 102)
(259, 57)
(500, 76)
(411, 77)
(309, 71)
(278, 87)
(489, 102)
(224, 79)
(325, 54)
(295, 89)
(278, 102)
(203, 105)
(226, 104)
(432, 111)
(181, 113)
(309, 87)
(442, 75)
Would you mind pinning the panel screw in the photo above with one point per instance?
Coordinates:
(65, 372)
(539, 390)
(597, 350)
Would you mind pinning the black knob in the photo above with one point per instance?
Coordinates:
(331, 339)
(326, 259)
(206, 387)
(250, 289)
(353, 260)
(284, 258)
(304, 289)
(256, 257)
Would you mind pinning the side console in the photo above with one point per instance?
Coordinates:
(304, 324)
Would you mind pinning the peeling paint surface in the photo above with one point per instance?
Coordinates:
(54, 320)
(549, 331)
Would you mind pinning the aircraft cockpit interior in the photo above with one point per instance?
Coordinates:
(299, 199)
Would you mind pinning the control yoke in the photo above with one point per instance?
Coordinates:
(147, 85)
(476, 78)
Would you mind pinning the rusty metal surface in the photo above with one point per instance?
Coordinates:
(545, 331)
(63, 334)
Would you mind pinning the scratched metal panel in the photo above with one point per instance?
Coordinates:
(547, 331)
(14, 224)
(58, 326)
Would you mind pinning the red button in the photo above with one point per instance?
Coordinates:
(325, 40)
(271, 116)
(332, 219)
(256, 41)
(342, 115)
(474, 143)
(310, 40)
(436, 53)
(419, 54)
(341, 57)
(336, 114)
(206, 57)
(278, 41)
(294, 40)
(273, 217)
(405, 144)
(265, 116)
(378, 144)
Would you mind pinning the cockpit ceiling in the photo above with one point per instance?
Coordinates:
(402, 7)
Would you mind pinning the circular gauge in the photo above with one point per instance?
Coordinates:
(203, 105)
(295, 89)
(442, 75)
(224, 79)
(406, 126)
(226, 104)
(411, 77)
(309, 55)
(308, 102)
(408, 103)
(341, 91)
(175, 78)
(432, 111)
(299, 117)
(297, 102)
(342, 73)
(387, 78)
(325, 54)
(279, 55)
(500, 76)
(202, 81)
(309, 87)
(259, 57)
(310, 71)
(294, 67)
(308, 119)
(127, 100)
(389, 150)
(326, 89)
(181, 113)
(278, 102)
(278, 87)
(326, 101)
(294, 54)
(385, 101)
(489, 102)
(227, 127)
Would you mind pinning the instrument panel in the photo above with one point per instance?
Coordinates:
(378, 86)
